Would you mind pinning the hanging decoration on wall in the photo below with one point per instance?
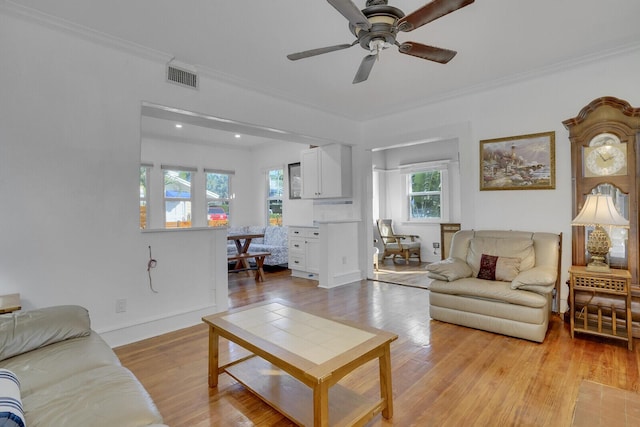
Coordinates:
(523, 162)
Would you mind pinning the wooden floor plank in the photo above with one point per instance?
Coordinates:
(443, 375)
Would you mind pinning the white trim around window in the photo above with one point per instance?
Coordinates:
(443, 193)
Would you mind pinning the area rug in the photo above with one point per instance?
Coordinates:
(599, 405)
(413, 278)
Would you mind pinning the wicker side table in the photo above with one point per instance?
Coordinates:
(590, 319)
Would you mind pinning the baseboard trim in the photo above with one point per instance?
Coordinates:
(342, 279)
(152, 327)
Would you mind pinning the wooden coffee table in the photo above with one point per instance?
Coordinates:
(297, 357)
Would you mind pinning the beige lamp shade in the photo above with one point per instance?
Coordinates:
(599, 209)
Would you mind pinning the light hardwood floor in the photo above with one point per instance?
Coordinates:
(443, 375)
(408, 274)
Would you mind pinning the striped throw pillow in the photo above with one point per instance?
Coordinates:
(11, 412)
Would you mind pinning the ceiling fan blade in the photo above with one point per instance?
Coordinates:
(365, 68)
(350, 11)
(423, 51)
(319, 51)
(430, 12)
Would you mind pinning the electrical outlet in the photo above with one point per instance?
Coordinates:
(436, 245)
(121, 305)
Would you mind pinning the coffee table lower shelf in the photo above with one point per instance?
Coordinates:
(295, 400)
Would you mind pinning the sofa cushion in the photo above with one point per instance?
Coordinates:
(449, 269)
(276, 236)
(47, 365)
(103, 397)
(256, 229)
(503, 269)
(27, 330)
(236, 229)
(521, 248)
(405, 245)
(490, 290)
(11, 411)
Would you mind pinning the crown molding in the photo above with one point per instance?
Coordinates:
(85, 33)
(631, 46)
(104, 39)
(55, 23)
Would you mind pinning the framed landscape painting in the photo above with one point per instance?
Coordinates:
(523, 162)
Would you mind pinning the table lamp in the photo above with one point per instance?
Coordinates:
(599, 210)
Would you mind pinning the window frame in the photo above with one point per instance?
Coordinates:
(145, 198)
(270, 198)
(221, 200)
(192, 175)
(437, 166)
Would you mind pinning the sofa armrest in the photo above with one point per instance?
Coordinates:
(24, 331)
(449, 269)
(537, 279)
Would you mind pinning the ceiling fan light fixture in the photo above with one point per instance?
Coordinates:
(377, 25)
(387, 20)
(383, 19)
(378, 45)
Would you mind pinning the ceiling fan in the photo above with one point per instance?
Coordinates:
(377, 25)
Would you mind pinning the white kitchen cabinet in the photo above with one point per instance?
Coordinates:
(304, 252)
(326, 172)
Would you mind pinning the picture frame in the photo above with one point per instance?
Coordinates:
(295, 181)
(522, 162)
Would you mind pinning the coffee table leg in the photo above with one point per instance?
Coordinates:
(321, 405)
(213, 357)
(386, 390)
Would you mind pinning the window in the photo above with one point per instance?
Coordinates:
(177, 197)
(427, 194)
(144, 195)
(275, 183)
(218, 196)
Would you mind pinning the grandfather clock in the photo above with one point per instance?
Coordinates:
(605, 158)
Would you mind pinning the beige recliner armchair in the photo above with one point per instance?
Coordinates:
(499, 281)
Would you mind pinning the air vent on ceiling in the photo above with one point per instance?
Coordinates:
(182, 76)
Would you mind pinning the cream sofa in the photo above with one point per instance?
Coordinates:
(68, 376)
(498, 281)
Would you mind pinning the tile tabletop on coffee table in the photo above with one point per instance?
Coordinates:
(306, 355)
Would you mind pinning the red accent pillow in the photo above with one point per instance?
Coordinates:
(488, 267)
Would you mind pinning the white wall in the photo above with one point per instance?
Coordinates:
(69, 161)
(538, 104)
(392, 191)
(184, 153)
(70, 151)
(278, 155)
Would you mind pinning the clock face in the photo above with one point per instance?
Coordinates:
(605, 160)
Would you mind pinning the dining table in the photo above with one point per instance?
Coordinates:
(242, 242)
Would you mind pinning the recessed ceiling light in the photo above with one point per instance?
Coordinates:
(238, 135)
(178, 125)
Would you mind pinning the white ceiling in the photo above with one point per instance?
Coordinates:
(245, 42)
